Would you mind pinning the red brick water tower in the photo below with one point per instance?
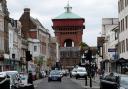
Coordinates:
(68, 29)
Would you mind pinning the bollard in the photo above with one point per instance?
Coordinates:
(86, 81)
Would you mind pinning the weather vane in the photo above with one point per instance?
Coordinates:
(68, 2)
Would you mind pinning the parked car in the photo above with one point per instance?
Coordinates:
(65, 72)
(43, 74)
(54, 76)
(81, 72)
(13, 77)
(73, 72)
(111, 80)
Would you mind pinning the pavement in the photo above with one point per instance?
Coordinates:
(37, 82)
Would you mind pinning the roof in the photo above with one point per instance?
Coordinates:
(38, 24)
(68, 14)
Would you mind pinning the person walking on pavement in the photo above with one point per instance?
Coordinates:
(30, 79)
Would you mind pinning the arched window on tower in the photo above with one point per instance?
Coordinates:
(68, 43)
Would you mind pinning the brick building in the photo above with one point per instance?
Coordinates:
(37, 36)
(68, 29)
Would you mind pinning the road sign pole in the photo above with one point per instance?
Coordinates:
(90, 74)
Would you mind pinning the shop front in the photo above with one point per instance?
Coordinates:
(5, 65)
(105, 65)
(122, 65)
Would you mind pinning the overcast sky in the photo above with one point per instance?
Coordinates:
(92, 10)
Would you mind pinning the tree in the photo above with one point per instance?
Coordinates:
(83, 47)
(49, 62)
(39, 61)
(89, 55)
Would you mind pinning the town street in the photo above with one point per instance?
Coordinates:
(66, 83)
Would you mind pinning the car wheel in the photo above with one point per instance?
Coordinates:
(60, 80)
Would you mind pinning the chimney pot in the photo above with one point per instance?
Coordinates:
(26, 9)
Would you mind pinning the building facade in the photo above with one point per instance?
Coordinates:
(15, 44)
(110, 44)
(123, 37)
(68, 29)
(123, 26)
(53, 52)
(4, 44)
(37, 37)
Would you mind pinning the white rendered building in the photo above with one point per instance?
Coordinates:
(110, 32)
(123, 25)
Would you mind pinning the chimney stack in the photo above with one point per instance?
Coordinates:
(27, 11)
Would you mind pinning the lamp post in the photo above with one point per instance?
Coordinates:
(84, 58)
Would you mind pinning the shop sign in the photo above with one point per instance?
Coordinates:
(111, 50)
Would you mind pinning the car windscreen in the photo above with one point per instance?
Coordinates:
(54, 73)
(74, 70)
(12, 74)
(81, 70)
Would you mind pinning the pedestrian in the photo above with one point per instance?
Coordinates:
(102, 72)
(30, 79)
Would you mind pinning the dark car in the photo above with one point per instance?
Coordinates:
(111, 80)
(54, 76)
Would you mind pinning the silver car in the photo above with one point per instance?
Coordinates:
(73, 72)
(81, 72)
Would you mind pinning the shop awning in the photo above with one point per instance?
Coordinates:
(122, 60)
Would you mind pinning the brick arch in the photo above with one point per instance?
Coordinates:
(66, 38)
(68, 43)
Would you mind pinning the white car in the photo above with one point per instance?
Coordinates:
(43, 74)
(81, 72)
(73, 72)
